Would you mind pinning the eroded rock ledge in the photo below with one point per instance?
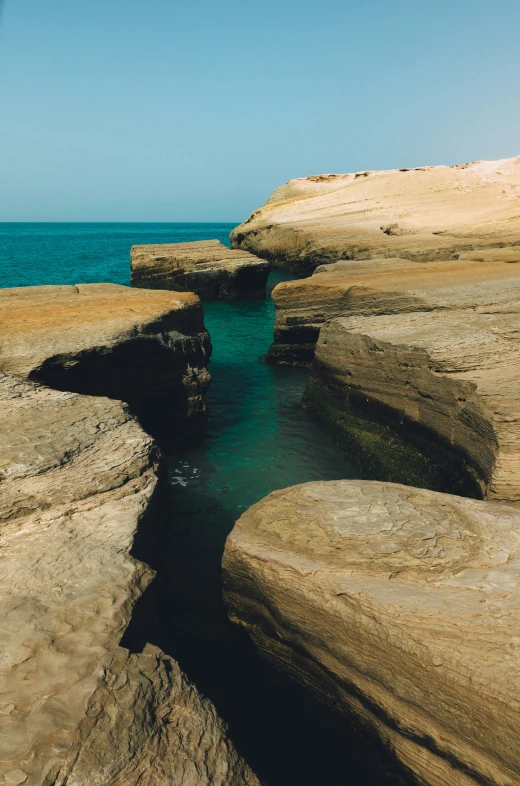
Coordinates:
(386, 286)
(416, 366)
(78, 478)
(398, 606)
(426, 213)
(149, 349)
(206, 267)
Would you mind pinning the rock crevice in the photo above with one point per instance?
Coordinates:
(78, 479)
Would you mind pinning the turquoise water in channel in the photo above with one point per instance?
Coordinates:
(258, 439)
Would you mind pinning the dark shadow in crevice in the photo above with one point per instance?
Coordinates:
(283, 732)
(388, 446)
(143, 372)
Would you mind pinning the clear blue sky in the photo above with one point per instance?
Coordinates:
(190, 110)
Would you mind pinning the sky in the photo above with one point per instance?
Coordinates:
(191, 110)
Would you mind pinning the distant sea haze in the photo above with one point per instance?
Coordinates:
(48, 253)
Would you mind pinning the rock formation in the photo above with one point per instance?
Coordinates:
(423, 214)
(398, 606)
(206, 267)
(395, 604)
(78, 479)
(149, 349)
(416, 367)
(386, 286)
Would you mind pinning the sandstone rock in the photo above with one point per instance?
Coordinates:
(78, 479)
(384, 286)
(147, 723)
(425, 214)
(77, 475)
(420, 380)
(398, 606)
(147, 348)
(206, 267)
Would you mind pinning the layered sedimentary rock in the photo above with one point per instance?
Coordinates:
(420, 378)
(78, 480)
(149, 349)
(386, 286)
(206, 267)
(398, 606)
(425, 214)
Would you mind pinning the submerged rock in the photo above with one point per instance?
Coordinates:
(206, 267)
(425, 213)
(399, 607)
(78, 480)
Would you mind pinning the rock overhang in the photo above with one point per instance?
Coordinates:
(79, 478)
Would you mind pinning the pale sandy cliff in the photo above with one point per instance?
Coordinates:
(425, 213)
(399, 605)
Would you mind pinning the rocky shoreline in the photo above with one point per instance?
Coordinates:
(79, 480)
(393, 603)
(423, 214)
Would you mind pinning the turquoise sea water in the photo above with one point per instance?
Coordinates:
(258, 439)
(49, 253)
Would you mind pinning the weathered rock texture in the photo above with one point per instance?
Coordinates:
(400, 607)
(206, 267)
(420, 378)
(424, 214)
(149, 349)
(78, 477)
(386, 286)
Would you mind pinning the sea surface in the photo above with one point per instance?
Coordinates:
(48, 253)
(258, 439)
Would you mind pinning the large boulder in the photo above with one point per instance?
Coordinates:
(78, 482)
(206, 267)
(425, 213)
(397, 606)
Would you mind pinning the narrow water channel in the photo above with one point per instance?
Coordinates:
(258, 439)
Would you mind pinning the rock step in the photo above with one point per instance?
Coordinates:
(205, 267)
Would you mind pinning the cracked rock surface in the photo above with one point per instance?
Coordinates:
(425, 213)
(400, 607)
(78, 478)
(206, 267)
